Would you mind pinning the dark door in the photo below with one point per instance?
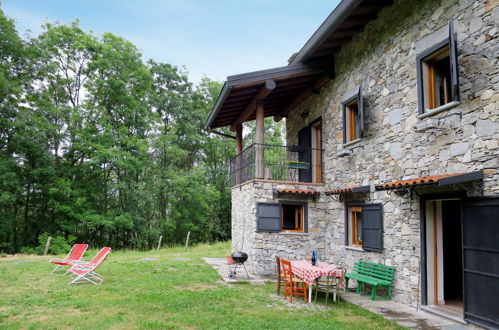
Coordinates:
(481, 261)
(305, 155)
(453, 252)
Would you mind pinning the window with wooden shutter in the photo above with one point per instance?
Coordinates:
(293, 217)
(356, 225)
(364, 226)
(453, 62)
(438, 80)
(268, 217)
(372, 227)
(360, 114)
(353, 116)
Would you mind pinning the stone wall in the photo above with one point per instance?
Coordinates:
(383, 60)
(262, 247)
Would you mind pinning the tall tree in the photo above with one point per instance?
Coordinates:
(99, 145)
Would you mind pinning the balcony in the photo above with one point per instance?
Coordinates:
(277, 163)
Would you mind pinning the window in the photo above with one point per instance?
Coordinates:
(287, 216)
(364, 226)
(438, 83)
(352, 112)
(355, 214)
(436, 79)
(353, 117)
(292, 217)
(317, 151)
(310, 152)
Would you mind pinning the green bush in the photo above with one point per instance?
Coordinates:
(31, 250)
(58, 245)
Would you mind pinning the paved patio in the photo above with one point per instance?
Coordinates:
(403, 315)
(399, 313)
(220, 265)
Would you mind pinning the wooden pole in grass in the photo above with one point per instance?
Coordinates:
(47, 246)
(187, 240)
(159, 242)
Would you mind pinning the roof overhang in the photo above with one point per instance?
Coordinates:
(341, 191)
(297, 192)
(432, 180)
(303, 76)
(239, 91)
(347, 19)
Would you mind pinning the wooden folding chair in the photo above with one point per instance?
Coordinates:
(280, 275)
(292, 285)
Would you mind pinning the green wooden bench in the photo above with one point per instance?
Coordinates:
(376, 275)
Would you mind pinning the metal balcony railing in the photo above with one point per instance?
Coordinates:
(277, 163)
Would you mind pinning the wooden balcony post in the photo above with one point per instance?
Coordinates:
(259, 161)
(239, 150)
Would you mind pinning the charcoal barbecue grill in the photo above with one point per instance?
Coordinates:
(239, 258)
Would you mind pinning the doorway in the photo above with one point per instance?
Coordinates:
(316, 152)
(310, 139)
(444, 261)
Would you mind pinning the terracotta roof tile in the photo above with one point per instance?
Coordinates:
(338, 191)
(431, 179)
(298, 192)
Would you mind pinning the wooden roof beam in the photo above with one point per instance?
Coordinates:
(324, 79)
(266, 89)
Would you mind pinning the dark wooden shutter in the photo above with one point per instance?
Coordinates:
(360, 114)
(372, 227)
(305, 155)
(347, 225)
(344, 110)
(481, 261)
(453, 62)
(268, 217)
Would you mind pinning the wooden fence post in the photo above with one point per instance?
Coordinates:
(187, 240)
(159, 242)
(47, 246)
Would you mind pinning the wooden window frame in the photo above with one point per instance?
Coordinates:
(350, 124)
(316, 127)
(302, 208)
(429, 77)
(372, 231)
(353, 121)
(449, 45)
(355, 212)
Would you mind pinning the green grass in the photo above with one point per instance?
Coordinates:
(168, 293)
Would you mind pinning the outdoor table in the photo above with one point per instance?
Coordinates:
(308, 273)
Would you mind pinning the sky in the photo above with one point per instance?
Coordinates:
(216, 38)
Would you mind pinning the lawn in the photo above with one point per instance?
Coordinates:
(179, 290)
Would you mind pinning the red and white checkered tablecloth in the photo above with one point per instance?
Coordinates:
(308, 273)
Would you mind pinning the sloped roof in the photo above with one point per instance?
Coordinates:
(301, 74)
(347, 19)
(239, 90)
(443, 179)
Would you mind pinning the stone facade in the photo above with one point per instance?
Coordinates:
(262, 246)
(396, 145)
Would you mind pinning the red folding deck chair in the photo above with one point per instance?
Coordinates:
(83, 272)
(77, 251)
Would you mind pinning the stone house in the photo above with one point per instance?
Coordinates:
(391, 155)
